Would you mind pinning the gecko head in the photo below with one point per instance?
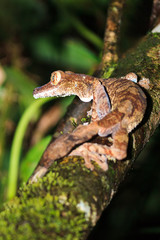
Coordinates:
(61, 84)
(65, 84)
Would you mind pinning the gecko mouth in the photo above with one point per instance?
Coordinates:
(39, 93)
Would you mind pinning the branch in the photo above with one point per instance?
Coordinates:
(155, 14)
(110, 54)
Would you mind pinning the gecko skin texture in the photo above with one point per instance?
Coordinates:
(118, 107)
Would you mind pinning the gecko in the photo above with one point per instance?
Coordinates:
(118, 106)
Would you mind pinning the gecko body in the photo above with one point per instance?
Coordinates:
(118, 107)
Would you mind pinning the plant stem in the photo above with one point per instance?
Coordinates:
(17, 144)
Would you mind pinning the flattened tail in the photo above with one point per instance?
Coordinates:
(38, 173)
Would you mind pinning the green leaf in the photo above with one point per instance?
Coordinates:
(78, 55)
(22, 83)
(17, 144)
(44, 49)
(73, 54)
(32, 158)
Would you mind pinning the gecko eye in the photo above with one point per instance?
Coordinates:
(55, 78)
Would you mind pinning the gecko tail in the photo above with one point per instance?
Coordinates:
(38, 173)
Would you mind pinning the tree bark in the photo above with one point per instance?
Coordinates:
(69, 200)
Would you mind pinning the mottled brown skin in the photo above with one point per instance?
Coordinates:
(118, 107)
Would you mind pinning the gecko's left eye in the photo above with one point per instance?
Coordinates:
(55, 77)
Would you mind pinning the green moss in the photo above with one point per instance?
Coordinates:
(156, 34)
(49, 207)
(43, 216)
(86, 119)
(73, 122)
(146, 54)
(109, 70)
(40, 211)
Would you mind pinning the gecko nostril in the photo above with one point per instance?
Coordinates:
(36, 90)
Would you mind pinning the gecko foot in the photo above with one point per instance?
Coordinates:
(89, 152)
(145, 83)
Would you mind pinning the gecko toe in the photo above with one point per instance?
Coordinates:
(88, 152)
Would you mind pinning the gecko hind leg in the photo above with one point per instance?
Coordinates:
(99, 153)
(120, 143)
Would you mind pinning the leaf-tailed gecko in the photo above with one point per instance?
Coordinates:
(118, 107)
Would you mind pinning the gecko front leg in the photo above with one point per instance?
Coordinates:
(101, 105)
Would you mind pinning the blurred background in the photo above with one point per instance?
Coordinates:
(36, 38)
